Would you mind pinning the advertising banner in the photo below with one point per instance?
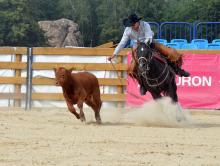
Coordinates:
(200, 90)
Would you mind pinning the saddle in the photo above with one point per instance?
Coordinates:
(170, 53)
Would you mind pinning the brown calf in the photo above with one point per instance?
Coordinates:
(79, 88)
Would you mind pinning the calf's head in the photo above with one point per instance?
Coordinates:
(62, 75)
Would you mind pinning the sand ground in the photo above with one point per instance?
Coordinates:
(127, 137)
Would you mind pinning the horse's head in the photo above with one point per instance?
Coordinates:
(144, 56)
(62, 75)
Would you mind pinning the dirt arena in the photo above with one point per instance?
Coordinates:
(150, 135)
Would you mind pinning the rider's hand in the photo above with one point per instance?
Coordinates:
(148, 41)
(134, 49)
(111, 57)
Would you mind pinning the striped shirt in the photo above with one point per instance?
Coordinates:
(141, 35)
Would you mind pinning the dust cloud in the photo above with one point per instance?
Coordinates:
(161, 113)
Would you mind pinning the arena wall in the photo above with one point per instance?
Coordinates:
(112, 77)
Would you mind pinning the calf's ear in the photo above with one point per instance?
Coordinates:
(71, 69)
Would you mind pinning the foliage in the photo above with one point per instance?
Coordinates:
(17, 28)
(100, 21)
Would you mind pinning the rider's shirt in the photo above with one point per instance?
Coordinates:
(144, 32)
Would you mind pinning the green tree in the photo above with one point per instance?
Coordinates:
(99, 21)
(44, 9)
(110, 14)
(84, 14)
(192, 10)
(17, 28)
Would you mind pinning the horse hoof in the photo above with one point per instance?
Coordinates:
(99, 121)
(180, 118)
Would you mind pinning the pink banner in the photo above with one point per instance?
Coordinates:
(200, 90)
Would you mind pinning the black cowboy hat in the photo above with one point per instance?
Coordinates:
(131, 20)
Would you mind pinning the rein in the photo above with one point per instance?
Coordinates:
(156, 80)
(122, 83)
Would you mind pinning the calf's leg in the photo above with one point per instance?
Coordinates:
(80, 106)
(96, 106)
(72, 109)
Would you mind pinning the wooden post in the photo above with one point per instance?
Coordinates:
(120, 76)
(17, 103)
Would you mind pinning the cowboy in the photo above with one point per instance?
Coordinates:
(140, 31)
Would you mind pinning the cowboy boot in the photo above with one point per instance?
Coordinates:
(182, 73)
(171, 55)
(178, 70)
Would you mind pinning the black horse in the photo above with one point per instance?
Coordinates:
(155, 73)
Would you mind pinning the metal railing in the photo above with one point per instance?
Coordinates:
(155, 28)
(206, 30)
(176, 30)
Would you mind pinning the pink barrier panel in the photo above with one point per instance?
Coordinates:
(200, 90)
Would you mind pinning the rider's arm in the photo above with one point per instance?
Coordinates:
(123, 42)
(148, 33)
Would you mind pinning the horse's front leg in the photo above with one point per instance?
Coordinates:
(155, 95)
(173, 95)
(172, 92)
(72, 109)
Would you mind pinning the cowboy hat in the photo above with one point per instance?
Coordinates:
(131, 20)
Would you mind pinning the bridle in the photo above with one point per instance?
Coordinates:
(144, 67)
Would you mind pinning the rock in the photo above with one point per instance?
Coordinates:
(61, 33)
